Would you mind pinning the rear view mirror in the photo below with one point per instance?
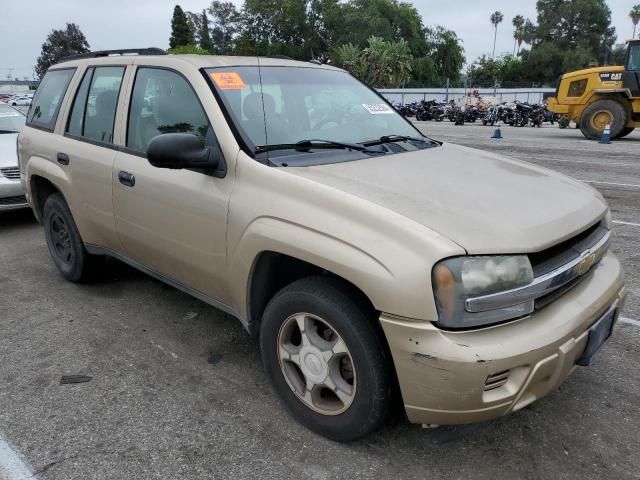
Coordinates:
(184, 150)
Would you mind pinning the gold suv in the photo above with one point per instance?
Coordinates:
(371, 260)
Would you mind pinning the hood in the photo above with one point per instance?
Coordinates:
(586, 71)
(484, 202)
(8, 156)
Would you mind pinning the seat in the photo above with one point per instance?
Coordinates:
(99, 126)
(258, 108)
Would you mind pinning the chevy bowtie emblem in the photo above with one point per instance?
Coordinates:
(586, 263)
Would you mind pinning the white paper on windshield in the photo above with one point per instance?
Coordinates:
(377, 108)
(9, 114)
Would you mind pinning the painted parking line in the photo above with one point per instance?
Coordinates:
(620, 222)
(630, 321)
(633, 185)
(11, 465)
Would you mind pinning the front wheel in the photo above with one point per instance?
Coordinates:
(601, 113)
(326, 359)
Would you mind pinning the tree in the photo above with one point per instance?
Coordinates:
(496, 18)
(618, 54)
(194, 21)
(518, 25)
(485, 71)
(59, 44)
(226, 25)
(181, 33)
(446, 51)
(569, 36)
(381, 64)
(204, 37)
(349, 57)
(634, 14)
(188, 50)
(356, 21)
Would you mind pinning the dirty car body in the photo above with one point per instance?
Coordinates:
(483, 281)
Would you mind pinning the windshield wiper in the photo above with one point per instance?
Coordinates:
(8, 131)
(306, 145)
(397, 138)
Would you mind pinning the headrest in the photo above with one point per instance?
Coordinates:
(253, 105)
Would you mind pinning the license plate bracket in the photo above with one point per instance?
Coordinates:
(599, 333)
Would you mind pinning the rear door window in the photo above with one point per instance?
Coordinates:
(94, 108)
(48, 98)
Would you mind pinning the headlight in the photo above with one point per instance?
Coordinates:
(457, 279)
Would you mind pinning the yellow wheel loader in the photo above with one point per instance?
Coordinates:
(596, 97)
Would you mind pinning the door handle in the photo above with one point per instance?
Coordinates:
(126, 178)
(63, 158)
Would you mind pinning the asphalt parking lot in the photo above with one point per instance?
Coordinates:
(177, 390)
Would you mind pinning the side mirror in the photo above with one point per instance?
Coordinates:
(182, 150)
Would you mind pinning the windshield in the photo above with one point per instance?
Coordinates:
(11, 120)
(287, 105)
(634, 57)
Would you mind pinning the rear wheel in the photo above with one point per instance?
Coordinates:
(325, 359)
(601, 113)
(625, 131)
(64, 241)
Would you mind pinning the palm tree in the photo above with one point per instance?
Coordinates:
(635, 18)
(496, 18)
(518, 23)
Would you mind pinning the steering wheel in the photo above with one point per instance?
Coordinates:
(325, 121)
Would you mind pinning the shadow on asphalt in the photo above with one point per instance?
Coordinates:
(16, 219)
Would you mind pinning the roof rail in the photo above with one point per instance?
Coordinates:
(280, 57)
(108, 53)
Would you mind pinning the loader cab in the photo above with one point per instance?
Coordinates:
(631, 75)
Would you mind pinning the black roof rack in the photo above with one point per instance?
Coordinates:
(108, 53)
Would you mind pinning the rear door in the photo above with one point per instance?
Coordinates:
(172, 222)
(87, 152)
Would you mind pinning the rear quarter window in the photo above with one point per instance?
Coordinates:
(48, 98)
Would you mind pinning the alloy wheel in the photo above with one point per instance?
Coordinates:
(316, 364)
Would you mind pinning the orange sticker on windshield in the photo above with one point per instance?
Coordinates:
(228, 80)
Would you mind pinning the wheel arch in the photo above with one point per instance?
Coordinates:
(44, 178)
(272, 271)
(41, 188)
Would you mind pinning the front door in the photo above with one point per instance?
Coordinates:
(172, 222)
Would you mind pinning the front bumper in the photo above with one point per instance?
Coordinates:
(11, 195)
(449, 378)
(555, 107)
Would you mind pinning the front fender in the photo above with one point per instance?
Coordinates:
(314, 247)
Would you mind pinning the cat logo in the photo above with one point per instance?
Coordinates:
(610, 77)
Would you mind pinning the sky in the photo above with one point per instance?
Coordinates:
(116, 24)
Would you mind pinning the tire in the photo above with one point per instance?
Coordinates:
(321, 304)
(625, 131)
(592, 120)
(64, 242)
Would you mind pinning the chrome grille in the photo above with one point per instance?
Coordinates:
(12, 173)
(563, 268)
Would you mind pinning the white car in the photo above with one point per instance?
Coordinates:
(20, 101)
(11, 193)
